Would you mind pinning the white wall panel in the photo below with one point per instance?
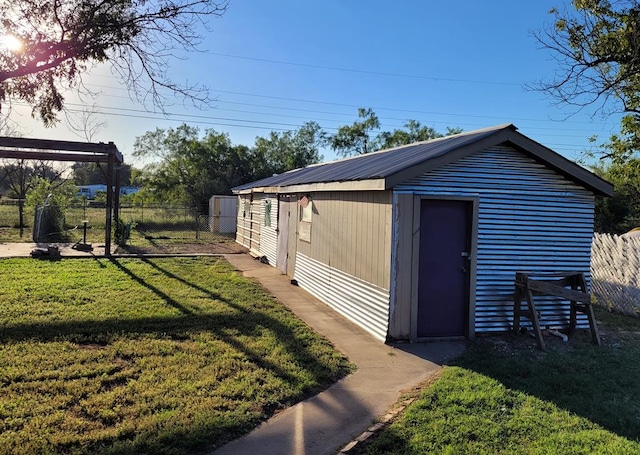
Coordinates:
(268, 234)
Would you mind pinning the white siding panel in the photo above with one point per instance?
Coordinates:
(249, 222)
(530, 218)
(242, 229)
(361, 302)
(268, 234)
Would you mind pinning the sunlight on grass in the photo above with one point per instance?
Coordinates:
(504, 396)
(467, 412)
(153, 356)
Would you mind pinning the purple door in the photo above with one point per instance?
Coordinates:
(443, 287)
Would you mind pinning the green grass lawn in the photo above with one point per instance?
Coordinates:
(503, 396)
(146, 356)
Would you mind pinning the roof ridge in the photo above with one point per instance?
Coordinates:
(463, 133)
(428, 141)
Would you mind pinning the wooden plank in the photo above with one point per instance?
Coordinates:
(557, 291)
(53, 156)
(535, 321)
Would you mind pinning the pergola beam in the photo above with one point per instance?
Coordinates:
(67, 146)
(53, 156)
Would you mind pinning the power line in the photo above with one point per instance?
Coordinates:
(204, 120)
(313, 111)
(557, 146)
(356, 106)
(279, 125)
(358, 71)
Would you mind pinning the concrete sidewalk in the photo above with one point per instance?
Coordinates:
(10, 250)
(326, 422)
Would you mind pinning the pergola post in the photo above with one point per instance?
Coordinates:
(116, 197)
(107, 226)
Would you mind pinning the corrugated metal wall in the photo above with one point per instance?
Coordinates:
(249, 221)
(530, 219)
(268, 234)
(359, 301)
(347, 261)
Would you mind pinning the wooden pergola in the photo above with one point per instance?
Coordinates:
(83, 152)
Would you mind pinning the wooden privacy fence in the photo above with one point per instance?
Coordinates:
(615, 272)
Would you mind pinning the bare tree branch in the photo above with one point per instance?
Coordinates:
(63, 39)
(597, 51)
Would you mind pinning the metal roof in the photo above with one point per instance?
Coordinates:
(393, 166)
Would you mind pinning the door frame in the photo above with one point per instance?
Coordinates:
(282, 246)
(469, 331)
(287, 208)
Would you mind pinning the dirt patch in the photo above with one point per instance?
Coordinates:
(526, 342)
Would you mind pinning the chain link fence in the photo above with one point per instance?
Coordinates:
(151, 221)
(178, 223)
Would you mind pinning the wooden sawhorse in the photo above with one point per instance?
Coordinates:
(554, 284)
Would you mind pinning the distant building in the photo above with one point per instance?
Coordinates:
(91, 191)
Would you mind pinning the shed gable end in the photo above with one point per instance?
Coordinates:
(530, 218)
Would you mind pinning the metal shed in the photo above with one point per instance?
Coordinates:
(423, 241)
(223, 211)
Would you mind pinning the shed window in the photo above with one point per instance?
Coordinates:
(307, 212)
(267, 213)
(306, 215)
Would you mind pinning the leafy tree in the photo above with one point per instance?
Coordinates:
(596, 45)
(20, 177)
(413, 131)
(61, 40)
(355, 139)
(94, 173)
(620, 213)
(281, 152)
(192, 169)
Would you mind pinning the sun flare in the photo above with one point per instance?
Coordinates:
(10, 43)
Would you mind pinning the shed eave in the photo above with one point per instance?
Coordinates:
(559, 163)
(377, 184)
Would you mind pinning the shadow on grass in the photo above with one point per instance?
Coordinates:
(598, 383)
(230, 327)
(243, 323)
(164, 296)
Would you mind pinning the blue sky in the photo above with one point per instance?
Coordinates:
(275, 65)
